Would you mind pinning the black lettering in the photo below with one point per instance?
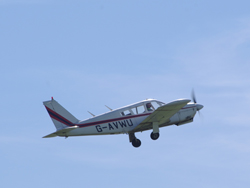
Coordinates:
(129, 124)
(98, 128)
(110, 127)
(122, 123)
(115, 124)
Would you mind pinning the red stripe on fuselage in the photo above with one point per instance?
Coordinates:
(111, 120)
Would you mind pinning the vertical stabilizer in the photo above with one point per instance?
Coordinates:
(59, 115)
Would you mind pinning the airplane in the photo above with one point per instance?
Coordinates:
(138, 117)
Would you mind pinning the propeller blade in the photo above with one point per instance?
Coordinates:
(201, 116)
(193, 96)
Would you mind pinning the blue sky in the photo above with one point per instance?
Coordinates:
(87, 54)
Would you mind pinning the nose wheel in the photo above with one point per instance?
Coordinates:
(154, 136)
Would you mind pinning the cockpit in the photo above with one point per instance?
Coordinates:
(142, 107)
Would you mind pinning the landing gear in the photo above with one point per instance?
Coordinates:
(154, 136)
(135, 142)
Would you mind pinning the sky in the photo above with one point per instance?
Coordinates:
(88, 54)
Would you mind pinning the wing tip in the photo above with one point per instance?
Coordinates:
(180, 101)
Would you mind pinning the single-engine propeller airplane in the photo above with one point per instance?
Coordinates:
(141, 116)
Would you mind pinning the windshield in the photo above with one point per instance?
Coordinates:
(152, 106)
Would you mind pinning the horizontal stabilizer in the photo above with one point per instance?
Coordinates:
(62, 132)
(50, 135)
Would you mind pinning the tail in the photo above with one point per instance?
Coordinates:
(60, 116)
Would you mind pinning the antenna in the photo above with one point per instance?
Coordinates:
(91, 114)
(109, 108)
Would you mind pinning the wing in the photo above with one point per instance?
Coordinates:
(162, 114)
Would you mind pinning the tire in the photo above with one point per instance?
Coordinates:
(154, 136)
(136, 143)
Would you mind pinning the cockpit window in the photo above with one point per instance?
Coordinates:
(155, 105)
(161, 103)
(152, 106)
(149, 106)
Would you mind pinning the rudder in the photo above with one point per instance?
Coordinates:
(59, 115)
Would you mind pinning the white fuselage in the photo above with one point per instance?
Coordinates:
(113, 123)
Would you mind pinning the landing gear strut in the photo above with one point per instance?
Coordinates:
(155, 134)
(135, 142)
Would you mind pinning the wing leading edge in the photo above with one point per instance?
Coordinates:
(161, 114)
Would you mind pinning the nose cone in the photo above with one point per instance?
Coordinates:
(199, 107)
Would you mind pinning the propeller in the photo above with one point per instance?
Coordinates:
(198, 106)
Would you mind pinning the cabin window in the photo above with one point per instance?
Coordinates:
(126, 113)
(138, 110)
(134, 110)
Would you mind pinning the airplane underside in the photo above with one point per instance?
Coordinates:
(155, 134)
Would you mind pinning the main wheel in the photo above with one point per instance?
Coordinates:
(154, 136)
(136, 143)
